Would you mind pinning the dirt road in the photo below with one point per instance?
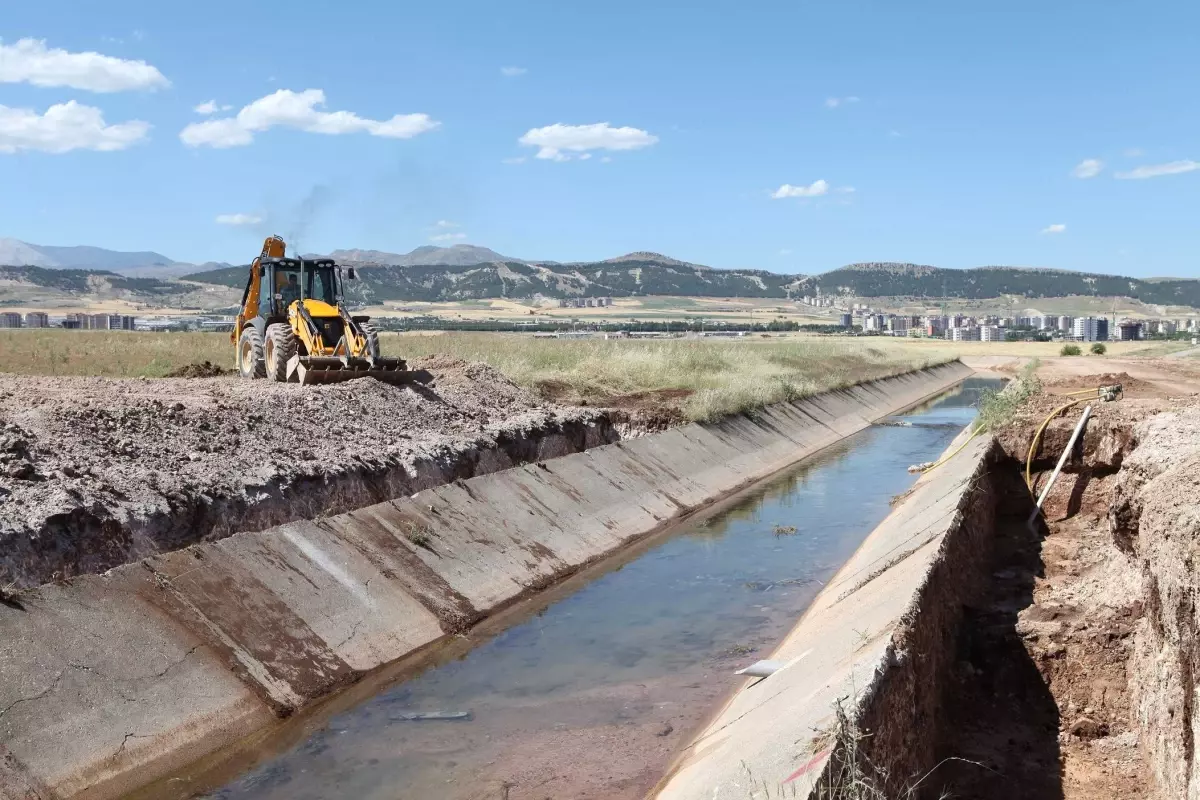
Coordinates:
(1172, 377)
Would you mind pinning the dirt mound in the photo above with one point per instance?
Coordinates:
(1129, 384)
(95, 472)
(206, 369)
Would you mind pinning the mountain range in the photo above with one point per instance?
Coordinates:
(468, 272)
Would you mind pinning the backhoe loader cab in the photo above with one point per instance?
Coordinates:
(294, 324)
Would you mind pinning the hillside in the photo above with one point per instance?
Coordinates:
(915, 280)
(14, 251)
(618, 278)
(61, 288)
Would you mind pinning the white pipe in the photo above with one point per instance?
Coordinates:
(1087, 412)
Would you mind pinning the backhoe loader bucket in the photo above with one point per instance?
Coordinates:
(334, 369)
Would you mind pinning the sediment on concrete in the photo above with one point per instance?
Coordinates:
(878, 641)
(109, 682)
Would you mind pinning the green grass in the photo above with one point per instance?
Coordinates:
(717, 377)
(997, 408)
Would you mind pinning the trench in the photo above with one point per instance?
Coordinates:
(590, 691)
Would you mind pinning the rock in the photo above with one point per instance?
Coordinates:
(22, 471)
(665, 729)
(1088, 728)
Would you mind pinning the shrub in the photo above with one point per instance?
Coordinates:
(1098, 349)
(1070, 350)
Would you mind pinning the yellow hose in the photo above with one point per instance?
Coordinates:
(957, 450)
(1032, 446)
(1037, 437)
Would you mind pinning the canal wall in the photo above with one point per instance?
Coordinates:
(110, 682)
(876, 643)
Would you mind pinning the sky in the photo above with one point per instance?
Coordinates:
(788, 136)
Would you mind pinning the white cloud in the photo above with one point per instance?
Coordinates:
(29, 61)
(64, 127)
(605, 159)
(211, 107)
(1134, 152)
(895, 134)
(785, 251)
(1088, 168)
(834, 102)
(298, 110)
(845, 190)
(1158, 170)
(513, 72)
(517, 160)
(448, 237)
(216, 133)
(238, 219)
(1058, 227)
(814, 189)
(553, 140)
(445, 223)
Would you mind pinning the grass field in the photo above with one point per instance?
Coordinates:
(708, 377)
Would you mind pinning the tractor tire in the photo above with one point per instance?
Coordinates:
(250, 354)
(280, 347)
(372, 337)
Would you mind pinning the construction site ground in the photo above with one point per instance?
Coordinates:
(95, 472)
(1043, 703)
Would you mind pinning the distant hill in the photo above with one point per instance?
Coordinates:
(468, 272)
(917, 280)
(16, 252)
(56, 288)
(632, 275)
(459, 255)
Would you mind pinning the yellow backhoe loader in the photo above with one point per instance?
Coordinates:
(293, 324)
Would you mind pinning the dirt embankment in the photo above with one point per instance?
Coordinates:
(1076, 674)
(98, 472)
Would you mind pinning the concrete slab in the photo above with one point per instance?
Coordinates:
(775, 734)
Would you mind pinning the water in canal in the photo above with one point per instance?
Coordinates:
(592, 696)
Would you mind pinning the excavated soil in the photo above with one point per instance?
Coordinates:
(98, 472)
(1075, 672)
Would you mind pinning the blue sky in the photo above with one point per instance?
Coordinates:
(735, 131)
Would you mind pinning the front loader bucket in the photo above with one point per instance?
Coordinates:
(334, 369)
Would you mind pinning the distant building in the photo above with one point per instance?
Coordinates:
(37, 319)
(1086, 329)
(1066, 323)
(10, 319)
(847, 321)
(897, 326)
(1102, 330)
(1129, 331)
(991, 333)
(71, 323)
(963, 334)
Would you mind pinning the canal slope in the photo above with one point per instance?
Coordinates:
(112, 681)
(591, 695)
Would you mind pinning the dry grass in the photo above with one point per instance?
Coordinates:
(722, 376)
(110, 353)
(718, 377)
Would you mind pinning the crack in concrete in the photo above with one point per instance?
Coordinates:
(53, 685)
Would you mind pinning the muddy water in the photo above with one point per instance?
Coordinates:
(592, 696)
